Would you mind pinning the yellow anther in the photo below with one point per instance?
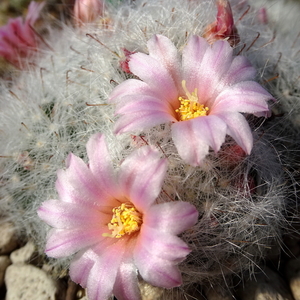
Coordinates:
(125, 220)
(190, 108)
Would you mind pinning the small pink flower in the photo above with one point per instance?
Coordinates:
(87, 11)
(202, 94)
(223, 27)
(114, 223)
(18, 38)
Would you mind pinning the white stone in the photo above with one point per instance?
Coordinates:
(24, 254)
(24, 282)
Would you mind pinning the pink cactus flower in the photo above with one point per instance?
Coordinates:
(87, 11)
(18, 39)
(114, 224)
(203, 95)
(223, 27)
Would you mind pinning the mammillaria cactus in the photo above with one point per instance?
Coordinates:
(235, 175)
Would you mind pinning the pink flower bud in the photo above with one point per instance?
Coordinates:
(86, 11)
(224, 27)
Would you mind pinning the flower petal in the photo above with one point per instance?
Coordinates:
(59, 214)
(240, 70)
(141, 176)
(155, 75)
(81, 265)
(77, 183)
(210, 129)
(157, 271)
(171, 217)
(135, 103)
(103, 274)
(138, 121)
(101, 166)
(215, 63)
(164, 51)
(162, 245)
(65, 242)
(193, 52)
(126, 283)
(246, 97)
(191, 149)
(132, 87)
(238, 128)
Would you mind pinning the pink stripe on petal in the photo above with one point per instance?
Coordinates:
(132, 87)
(193, 52)
(126, 286)
(78, 183)
(156, 271)
(104, 272)
(61, 215)
(215, 63)
(101, 166)
(238, 128)
(171, 217)
(139, 121)
(240, 70)
(162, 245)
(191, 149)
(135, 103)
(210, 129)
(247, 97)
(141, 176)
(164, 51)
(155, 75)
(65, 242)
(83, 261)
(81, 265)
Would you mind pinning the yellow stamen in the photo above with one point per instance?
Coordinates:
(125, 220)
(190, 108)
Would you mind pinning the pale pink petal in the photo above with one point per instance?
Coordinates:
(101, 166)
(240, 70)
(132, 87)
(162, 244)
(138, 121)
(65, 242)
(210, 129)
(103, 274)
(78, 184)
(155, 75)
(126, 284)
(66, 215)
(81, 265)
(171, 217)
(246, 97)
(141, 176)
(164, 51)
(193, 52)
(215, 63)
(191, 149)
(135, 103)
(157, 271)
(238, 128)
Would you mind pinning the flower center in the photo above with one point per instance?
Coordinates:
(126, 219)
(190, 108)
